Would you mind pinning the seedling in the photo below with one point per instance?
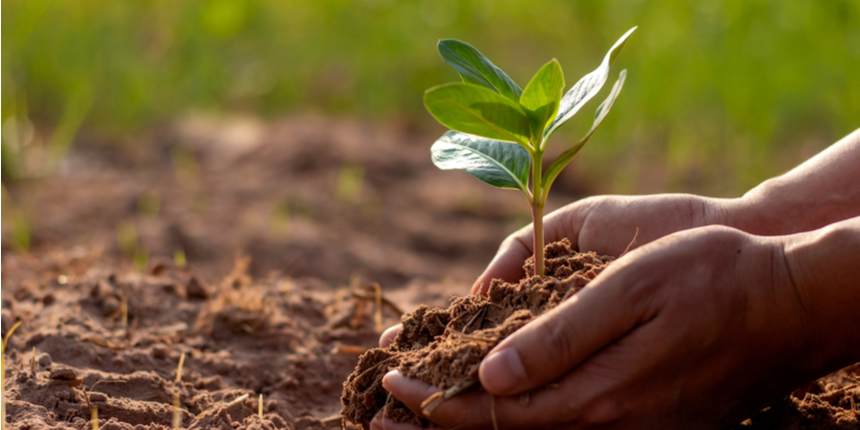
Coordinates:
(499, 131)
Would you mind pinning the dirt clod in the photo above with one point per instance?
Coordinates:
(444, 347)
(63, 373)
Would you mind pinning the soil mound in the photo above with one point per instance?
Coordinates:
(444, 347)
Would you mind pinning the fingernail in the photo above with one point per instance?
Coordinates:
(388, 377)
(502, 371)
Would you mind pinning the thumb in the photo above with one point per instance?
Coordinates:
(548, 347)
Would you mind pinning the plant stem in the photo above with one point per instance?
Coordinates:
(537, 211)
(537, 221)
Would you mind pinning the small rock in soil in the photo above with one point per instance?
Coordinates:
(95, 396)
(64, 373)
(195, 289)
(45, 360)
(159, 351)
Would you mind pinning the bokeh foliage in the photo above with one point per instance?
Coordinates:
(720, 94)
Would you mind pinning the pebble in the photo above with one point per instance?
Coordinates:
(64, 373)
(49, 299)
(45, 360)
(159, 351)
(95, 396)
(195, 289)
(110, 306)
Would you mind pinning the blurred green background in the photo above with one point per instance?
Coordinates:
(719, 96)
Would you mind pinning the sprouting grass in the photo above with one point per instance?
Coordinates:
(279, 219)
(129, 245)
(3, 370)
(179, 258)
(14, 215)
(349, 182)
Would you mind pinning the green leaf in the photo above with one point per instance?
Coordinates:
(476, 69)
(477, 110)
(541, 97)
(559, 163)
(501, 164)
(586, 88)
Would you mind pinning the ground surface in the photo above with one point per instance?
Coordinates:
(282, 226)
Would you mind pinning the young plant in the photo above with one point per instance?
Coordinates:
(499, 132)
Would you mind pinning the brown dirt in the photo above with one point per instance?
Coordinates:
(830, 403)
(444, 347)
(280, 221)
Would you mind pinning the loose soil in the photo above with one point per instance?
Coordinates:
(444, 347)
(286, 228)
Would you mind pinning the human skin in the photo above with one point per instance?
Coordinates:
(699, 326)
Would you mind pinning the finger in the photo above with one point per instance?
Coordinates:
(548, 408)
(388, 335)
(552, 344)
(606, 388)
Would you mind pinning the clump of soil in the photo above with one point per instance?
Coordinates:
(444, 347)
(829, 403)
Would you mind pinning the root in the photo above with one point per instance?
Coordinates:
(635, 235)
(385, 409)
(460, 335)
(377, 314)
(525, 398)
(358, 294)
(238, 400)
(430, 403)
(479, 316)
(366, 371)
(333, 419)
(349, 349)
(493, 412)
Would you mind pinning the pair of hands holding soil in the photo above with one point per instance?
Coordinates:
(725, 306)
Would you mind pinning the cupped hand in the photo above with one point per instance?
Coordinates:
(694, 330)
(607, 225)
(604, 224)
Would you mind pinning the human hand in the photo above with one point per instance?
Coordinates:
(694, 330)
(607, 225)
(604, 224)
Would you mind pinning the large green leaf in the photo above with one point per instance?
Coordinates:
(477, 69)
(477, 110)
(586, 88)
(501, 164)
(559, 163)
(541, 97)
